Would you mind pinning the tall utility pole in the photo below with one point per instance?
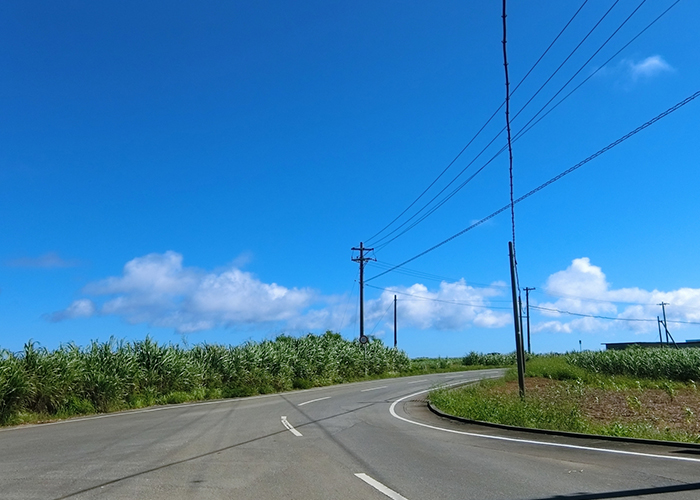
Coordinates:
(658, 321)
(663, 308)
(362, 259)
(527, 308)
(395, 343)
(520, 355)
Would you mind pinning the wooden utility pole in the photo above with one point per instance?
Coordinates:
(362, 259)
(395, 342)
(520, 355)
(663, 308)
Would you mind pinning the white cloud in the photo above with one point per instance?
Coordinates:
(651, 66)
(83, 308)
(157, 289)
(453, 306)
(48, 260)
(583, 288)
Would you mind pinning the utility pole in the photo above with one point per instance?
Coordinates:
(362, 259)
(527, 308)
(663, 308)
(395, 339)
(661, 339)
(668, 334)
(520, 355)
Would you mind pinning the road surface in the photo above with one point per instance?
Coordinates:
(368, 440)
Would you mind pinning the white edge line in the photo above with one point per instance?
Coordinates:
(416, 381)
(374, 388)
(529, 441)
(313, 401)
(380, 487)
(290, 427)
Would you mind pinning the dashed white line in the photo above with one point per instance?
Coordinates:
(529, 441)
(380, 487)
(290, 427)
(417, 381)
(313, 401)
(374, 388)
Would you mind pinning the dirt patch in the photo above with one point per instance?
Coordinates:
(673, 409)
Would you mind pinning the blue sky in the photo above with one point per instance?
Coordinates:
(200, 172)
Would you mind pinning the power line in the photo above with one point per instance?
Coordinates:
(382, 318)
(435, 277)
(526, 128)
(644, 320)
(420, 297)
(371, 239)
(583, 65)
(590, 32)
(551, 181)
(487, 146)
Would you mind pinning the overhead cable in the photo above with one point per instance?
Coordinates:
(526, 128)
(551, 181)
(370, 240)
(432, 299)
(644, 320)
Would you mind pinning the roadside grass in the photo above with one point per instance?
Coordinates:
(593, 392)
(38, 385)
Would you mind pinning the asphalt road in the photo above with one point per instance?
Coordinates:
(369, 440)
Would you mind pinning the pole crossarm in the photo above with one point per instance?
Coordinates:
(361, 259)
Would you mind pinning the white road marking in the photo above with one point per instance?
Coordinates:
(290, 427)
(380, 487)
(313, 401)
(374, 388)
(157, 408)
(529, 441)
(416, 381)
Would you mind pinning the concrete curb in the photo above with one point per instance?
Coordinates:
(578, 435)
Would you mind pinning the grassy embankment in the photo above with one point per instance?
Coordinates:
(647, 393)
(38, 385)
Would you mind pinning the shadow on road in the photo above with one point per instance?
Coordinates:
(626, 493)
(197, 457)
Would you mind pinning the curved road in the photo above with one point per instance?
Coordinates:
(368, 440)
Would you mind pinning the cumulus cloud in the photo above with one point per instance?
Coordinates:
(46, 261)
(83, 308)
(453, 306)
(649, 67)
(582, 288)
(157, 289)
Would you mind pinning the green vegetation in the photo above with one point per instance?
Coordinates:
(646, 393)
(37, 384)
(662, 363)
(488, 401)
(492, 359)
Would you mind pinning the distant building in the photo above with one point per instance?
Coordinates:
(624, 345)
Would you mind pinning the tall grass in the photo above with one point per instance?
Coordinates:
(681, 365)
(492, 359)
(560, 405)
(117, 375)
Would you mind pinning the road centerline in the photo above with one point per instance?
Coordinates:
(380, 487)
(374, 388)
(290, 427)
(313, 401)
